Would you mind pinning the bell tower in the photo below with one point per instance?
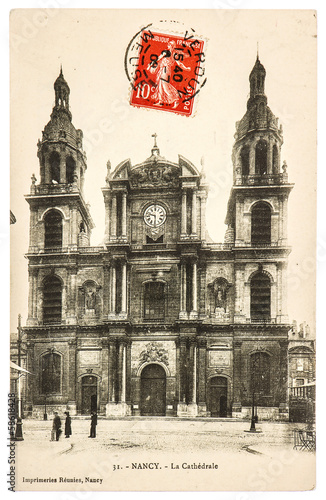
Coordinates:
(257, 208)
(60, 221)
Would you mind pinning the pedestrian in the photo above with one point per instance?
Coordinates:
(68, 425)
(93, 424)
(57, 425)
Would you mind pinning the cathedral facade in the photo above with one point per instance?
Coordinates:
(159, 320)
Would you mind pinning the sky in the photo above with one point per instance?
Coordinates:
(91, 47)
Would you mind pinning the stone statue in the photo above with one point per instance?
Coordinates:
(90, 299)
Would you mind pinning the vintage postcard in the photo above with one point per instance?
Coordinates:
(163, 235)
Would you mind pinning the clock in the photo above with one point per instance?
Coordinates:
(154, 215)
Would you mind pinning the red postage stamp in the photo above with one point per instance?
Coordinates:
(169, 72)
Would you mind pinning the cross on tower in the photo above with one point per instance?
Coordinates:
(155, 149)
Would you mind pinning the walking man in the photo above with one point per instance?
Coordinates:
(68, 425)
(93, 424)
(57, 425)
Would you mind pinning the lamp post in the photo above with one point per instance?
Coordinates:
(256, 373)
(45, 415)
(19, 424)
(253, 419)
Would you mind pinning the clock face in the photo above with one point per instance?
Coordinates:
(155, 215)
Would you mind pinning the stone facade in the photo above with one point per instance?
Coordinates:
(159, 320)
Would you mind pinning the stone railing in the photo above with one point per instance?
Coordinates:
(54, 188)
(262, 180)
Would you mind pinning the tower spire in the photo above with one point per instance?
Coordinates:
(62, 91)
(155, 150)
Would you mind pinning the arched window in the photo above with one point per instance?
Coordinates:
(260, 297)
(53, 229)
(154, 300)
(261, 157)
(70, 169)
(244, 155)
(52, 300)
(55, 167)
(260, 374)
(275, 159)
(51, 373)
(261, 224)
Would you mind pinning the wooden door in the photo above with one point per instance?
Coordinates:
(153, 390)
(89, 395)
(218, 397)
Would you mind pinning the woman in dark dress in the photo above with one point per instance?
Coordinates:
(68, 425)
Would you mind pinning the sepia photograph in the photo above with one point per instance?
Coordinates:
(163, 185)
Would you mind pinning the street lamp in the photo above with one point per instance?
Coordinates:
(19, 425)
(45, 415)
(255, 374)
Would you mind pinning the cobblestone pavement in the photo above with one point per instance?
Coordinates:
(164, 454)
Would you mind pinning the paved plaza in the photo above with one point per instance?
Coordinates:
(163, 454)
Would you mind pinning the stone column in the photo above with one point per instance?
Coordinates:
(123, 376)
(184, 213)
(192, 371)
(239, 223)
(124, 288)
(194, 213)
(236, 405)
(183, 291)
(182, 369)
(270, 158)
(31, 294)
(182, 408)
(72, 302)
(128, 373)
(30, 377)
(72, 377)
(285, 220)
(63, 168)
(283, 380)
(202, 218)
(73, 229)
(47, 170)
(124, 216)
(181, 285)
(194, 377)
(105, 375)
(252, 158)
(112, 369)
(120, 370)
(201, 383)
(194, 311)
(114, 216)
(107, 199)
(113, 288)
(106, 290)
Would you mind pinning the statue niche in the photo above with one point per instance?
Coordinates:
(89, 300)
(219, 298)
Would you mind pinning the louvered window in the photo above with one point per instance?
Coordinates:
(53, 229)
(261, 224)
(52, 300)
(260, 294)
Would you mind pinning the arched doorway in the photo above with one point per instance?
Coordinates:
(153, 390)
(218, 396)
(89, 394)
